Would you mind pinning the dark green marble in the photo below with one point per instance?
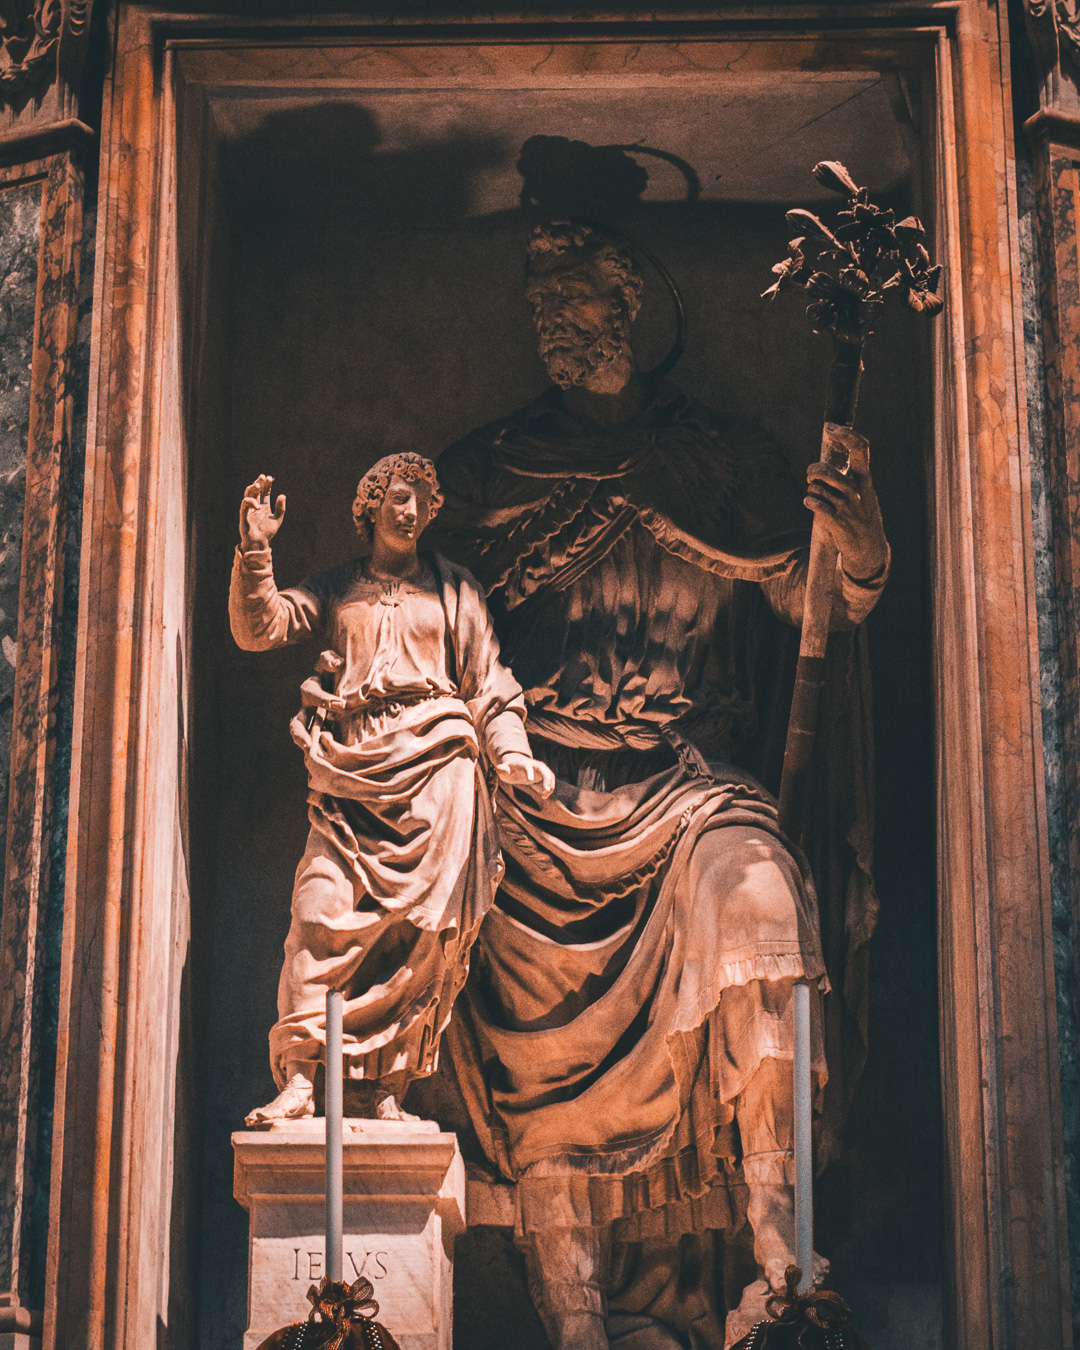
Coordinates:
(1054, 708)
(50, 939)
(20, 213)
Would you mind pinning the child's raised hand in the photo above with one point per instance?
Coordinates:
(259, 521)
(517, 770)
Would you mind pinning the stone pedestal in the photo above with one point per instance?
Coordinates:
(20, 1329)
(404, 1205)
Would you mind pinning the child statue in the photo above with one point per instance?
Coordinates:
(402, 859)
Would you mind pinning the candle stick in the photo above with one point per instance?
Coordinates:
(804, 1156)
(333, 1135)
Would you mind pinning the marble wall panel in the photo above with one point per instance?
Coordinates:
(38, 305)
(20, 224)
(1055, 705)
(50, 937)
(20, 217)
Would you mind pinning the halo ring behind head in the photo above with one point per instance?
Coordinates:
(678, 346)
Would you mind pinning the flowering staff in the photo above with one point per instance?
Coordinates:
(847, 272)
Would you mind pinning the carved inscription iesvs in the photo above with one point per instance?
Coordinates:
(308, 1265)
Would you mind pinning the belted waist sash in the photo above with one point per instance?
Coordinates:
(390, 703)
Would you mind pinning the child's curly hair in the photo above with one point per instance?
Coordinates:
(372, 487)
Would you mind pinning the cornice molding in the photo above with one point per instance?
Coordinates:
(44, 138)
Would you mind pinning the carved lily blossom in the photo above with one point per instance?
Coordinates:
(869, 235)
(868, 253)
(855, 280)
(844, 305)
(831, 173)
(909, 231)
(921, 284)
(790, 270)
(917, 280)
(813, 225)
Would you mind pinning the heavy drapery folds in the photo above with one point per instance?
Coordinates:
(637, 966)
(402, 858)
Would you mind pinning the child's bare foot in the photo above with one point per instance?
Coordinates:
(367, 1099)
(771, 1211)
(295, 1101)
(388, 1108)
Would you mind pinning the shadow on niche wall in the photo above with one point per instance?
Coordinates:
(561, 177)
(367, 310)
(327, 163)
(330, 159)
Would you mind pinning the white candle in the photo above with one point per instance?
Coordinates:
(804, 1150)
(333, 1135)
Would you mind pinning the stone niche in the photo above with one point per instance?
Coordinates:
(310, 255)
(362, 253)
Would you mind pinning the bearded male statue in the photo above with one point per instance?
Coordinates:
(624, 1045)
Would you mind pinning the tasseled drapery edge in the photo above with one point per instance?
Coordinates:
(716, 1209)
(671, 1184)
(683, 545)
(790, 966)
(583, 1201)
(580, 1191)
(504, 554)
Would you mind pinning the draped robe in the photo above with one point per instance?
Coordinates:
(616, 1007)
(402, 859)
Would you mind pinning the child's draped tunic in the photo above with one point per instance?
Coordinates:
(402, 860)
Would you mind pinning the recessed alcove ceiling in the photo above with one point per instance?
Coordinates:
(750, 138)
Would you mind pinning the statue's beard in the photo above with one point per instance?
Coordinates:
(573, 352)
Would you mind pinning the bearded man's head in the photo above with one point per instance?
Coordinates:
(585, 291)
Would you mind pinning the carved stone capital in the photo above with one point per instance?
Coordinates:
(1054, 29)
(1062, 18)
(42, 48)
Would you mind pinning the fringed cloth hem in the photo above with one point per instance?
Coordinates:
(691, 1185)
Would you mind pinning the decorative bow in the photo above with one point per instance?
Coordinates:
(338, 1304)
(821, 1308)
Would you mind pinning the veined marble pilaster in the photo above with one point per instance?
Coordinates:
(20, 215)
(45, 200)
(1054, 138)
(1057, 185)
(42, 46)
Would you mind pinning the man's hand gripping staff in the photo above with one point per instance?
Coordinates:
(848, 272)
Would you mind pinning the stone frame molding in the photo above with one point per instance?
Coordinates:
(126, 902)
